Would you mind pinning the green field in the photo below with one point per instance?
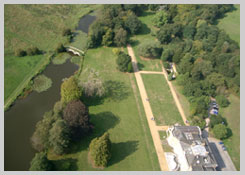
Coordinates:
(162, 103)
(145, 36)
(232, 115)
(121, 114)
(38, 26)
(231, 23)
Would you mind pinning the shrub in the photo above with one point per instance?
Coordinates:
(166, 65)
(116, 51)
(130, 67)
(33, 51)
(41, 163)
(60, 48)
(215, 120)
(123, 60)
(59, 137)
(222, 101)
(66, 32)
(198, 121)
(170, 76)
(100, 150)
(70, 90)
(76, 116)
(20, 53)
(41, 83)
(167, 55)
(150, 50)
(220, 131)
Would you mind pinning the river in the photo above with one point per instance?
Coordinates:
(20, 120)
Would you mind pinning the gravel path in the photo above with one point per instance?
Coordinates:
(149, 114)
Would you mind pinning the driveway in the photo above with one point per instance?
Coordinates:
(222, 157)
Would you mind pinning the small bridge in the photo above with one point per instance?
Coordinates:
(75, 51)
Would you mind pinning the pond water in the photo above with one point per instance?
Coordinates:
(20, 120)
(85, 22)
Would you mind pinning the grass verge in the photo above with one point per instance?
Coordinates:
(231, 24)
(162, 103)
(121, 114)
(232, 115)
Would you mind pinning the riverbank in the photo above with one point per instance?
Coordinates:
(19, 71)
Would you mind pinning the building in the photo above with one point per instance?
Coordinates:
(193, 152)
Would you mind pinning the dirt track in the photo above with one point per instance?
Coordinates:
(149, 114)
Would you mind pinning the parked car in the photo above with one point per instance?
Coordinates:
(224, 148)
(221, 143)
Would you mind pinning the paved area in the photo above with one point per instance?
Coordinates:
(149, 114)
(222, 157)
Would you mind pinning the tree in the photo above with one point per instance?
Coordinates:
(20, 53)
(40, 137)
(220, 131)
(132, 23)
(70, 90)
(167, 55)
(92, 85)
(189, 31)
(198, 121)
(222, 101)
(121, 38)
(170, 76)
(150, 50)
(186, 64)
(107, 39)
(59, 137)
(40, 162)
(96, 31)
(123, 61)
(100, 150)
(164, 35)
(161, 18)
(216, 119)
(76, 115)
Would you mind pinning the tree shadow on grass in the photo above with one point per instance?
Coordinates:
(102, 122)
(65, 165)
(140, 66)
(134, 42)
(116, 90)
(144, 29)
(121, 150)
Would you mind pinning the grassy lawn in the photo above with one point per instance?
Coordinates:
(232, 115)
(145, 36)
(162, 103)
(121, 114)
(183, 100)
(165, 145)
(231, 24)
(34, 25)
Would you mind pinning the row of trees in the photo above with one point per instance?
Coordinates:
(69, 121)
